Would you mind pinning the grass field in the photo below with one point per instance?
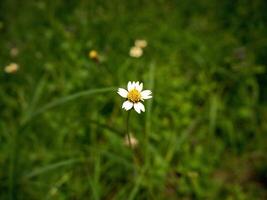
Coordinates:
(62, 128)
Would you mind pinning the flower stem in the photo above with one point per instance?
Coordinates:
(130, 144)
(127, 129)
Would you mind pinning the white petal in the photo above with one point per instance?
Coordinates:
(139, 87)
(146, 94)
(137, 109)
(134, 84)
(122, 92)
(127, 105)
(141, 106)
(130, 86)
(147, 97)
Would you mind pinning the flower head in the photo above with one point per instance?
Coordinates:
(93, 54)
(11, 68)
(14, 52)
(134, 142)
(140, 43)
(134, 95)
(136, 52)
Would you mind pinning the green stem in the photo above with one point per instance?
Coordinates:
(130, 144)
(127, 129)
(12, 167)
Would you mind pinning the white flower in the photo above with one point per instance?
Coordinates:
(11, 68)
(14, 52)
(136, 52)
(140, 43)
(134, 96)
(134, 142)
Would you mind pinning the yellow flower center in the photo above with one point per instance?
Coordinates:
(134, 95)
(93, 54)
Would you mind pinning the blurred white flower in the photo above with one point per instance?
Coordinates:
(136, 52)
(134, 96)
(11, 68)
(140, 43)
(14, 51)
(133, 141)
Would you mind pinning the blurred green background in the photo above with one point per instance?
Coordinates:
(203, 135)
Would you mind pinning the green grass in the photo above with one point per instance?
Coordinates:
(203, 135)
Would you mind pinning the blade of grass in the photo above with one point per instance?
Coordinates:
(95, 180)
(50, 167)
(66, 99)
(137, 185)
(36, 96)
(151, 79)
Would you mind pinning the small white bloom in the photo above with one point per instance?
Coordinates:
(14, 52)
(134, 142)
(136, 52)
(140, 43)
(134, 95)
(11, 68)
